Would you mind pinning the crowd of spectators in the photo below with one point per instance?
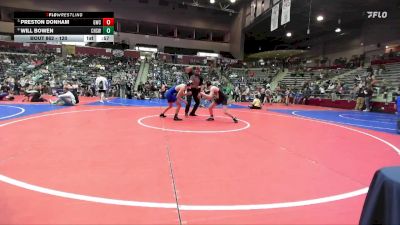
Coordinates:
(48, 73)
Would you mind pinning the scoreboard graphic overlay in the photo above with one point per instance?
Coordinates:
(64, 26)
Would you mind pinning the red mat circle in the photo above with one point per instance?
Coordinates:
(146, 204)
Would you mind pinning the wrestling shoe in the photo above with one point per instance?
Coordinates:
(162, 115)
(210, 119)
(177, 118)
(235, 120)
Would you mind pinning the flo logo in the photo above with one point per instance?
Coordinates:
(377, 14)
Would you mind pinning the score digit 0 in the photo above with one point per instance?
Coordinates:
(108, 30)
(108, 21)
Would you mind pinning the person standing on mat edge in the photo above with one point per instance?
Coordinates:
(175, 94)
(197, 81)
(218, 98)
(101, 84)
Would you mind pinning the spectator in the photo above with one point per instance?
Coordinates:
(256, 103)
(17, 88)
(368, 97)
(262, 94)
(163, 89)
(29, 92)
(370, 71)
(381, 69)
(268, 96)
(102, 86)
(129, 90)
(360, 99)
(37, 95)
(236, 93)
(331, 87)
(321, 90)
(66, 99)
(4, 92)
(287, 96)
(357, 78)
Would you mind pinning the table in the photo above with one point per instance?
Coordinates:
(382, 205)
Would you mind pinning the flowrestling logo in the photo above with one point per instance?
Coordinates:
(377, 14)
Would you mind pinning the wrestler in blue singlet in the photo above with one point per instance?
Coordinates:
(171, 94)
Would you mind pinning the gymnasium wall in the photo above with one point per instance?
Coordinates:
(134, 10)
(371, 39)
(6, 27)
(150, 12)
(162, 42)
(236, 36)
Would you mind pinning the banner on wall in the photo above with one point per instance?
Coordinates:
(266, 5)
(285, 11)
(117, 53)
(259, 7)
(68, 50)
(248, 12)
(275, 17)
(253, 10)
(275, 1)
(229, 61)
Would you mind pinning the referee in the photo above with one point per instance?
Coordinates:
(197, 81)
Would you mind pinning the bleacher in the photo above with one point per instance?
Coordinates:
(391, 76)
(254, 76)
(388, 80)
(84, 67)
(295, 79)
(19, 65)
